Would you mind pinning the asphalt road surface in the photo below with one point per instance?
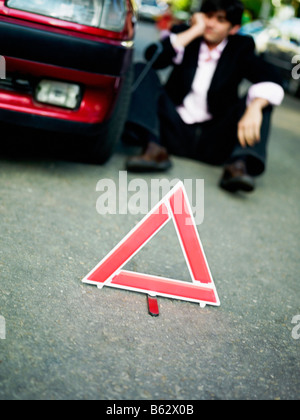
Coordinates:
(68, 340)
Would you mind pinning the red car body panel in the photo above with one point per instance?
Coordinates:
(101, 85)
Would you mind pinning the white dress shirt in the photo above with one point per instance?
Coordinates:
(195, 107)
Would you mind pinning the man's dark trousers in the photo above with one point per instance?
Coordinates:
(153, 117)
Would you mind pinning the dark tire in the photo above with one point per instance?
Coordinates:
(104, 144)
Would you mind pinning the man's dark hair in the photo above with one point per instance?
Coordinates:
(234, 9)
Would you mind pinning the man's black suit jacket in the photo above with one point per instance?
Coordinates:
(238, 62)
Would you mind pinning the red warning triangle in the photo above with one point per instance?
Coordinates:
(175, 206)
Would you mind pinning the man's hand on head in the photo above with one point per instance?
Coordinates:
(198, 23)
(195, 31)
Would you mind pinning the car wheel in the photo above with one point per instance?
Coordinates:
(103, 146)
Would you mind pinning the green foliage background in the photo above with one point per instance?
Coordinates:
(254, 6)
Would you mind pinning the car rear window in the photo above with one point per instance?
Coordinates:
(107, 14)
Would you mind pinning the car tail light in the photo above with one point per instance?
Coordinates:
(104, 14)
(65, 95)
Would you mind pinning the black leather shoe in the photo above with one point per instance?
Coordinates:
(154, 159)
(236, 178)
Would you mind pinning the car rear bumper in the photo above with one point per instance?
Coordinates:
(99, 93)
(50, 124)
(33, 54)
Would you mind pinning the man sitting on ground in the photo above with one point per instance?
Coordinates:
(198, 114)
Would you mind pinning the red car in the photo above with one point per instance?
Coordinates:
(68, 67)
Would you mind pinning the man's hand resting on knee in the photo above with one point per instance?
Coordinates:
(249, 127)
